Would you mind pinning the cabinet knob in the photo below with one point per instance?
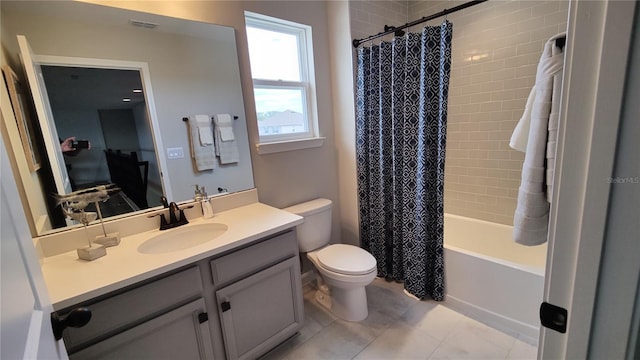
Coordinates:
(203, 317)
(78, 317)
(225, 306)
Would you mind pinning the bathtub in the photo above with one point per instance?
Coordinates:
(490, 277)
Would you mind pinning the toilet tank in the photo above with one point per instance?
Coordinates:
(315, 232)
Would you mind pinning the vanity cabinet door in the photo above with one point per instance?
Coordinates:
(262, 310)
(179, 334)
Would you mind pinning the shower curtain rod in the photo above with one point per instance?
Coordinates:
(391, 29)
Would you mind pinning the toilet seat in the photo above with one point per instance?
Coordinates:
(346, 259)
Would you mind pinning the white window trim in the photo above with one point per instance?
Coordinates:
(286, 142)
(282, 146)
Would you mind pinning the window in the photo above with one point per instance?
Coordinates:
(281, 59)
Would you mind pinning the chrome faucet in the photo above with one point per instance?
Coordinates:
(174, 221)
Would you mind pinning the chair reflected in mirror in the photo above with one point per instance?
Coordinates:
(130, 175)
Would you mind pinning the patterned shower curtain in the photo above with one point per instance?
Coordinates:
(401, 119)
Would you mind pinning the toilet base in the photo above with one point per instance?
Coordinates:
(323, 297)
(347, 304)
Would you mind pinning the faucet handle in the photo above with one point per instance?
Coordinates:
(163, 220)
(182, 219)
(164, 201)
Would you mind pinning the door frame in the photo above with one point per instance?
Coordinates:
(598, 40)
(39, 342)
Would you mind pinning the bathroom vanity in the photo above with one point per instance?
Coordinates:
(236, 296)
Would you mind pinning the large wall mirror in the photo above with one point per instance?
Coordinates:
(185, 68)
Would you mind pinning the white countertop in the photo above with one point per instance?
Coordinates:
(71, 280)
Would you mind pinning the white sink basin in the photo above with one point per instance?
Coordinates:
(182, 238)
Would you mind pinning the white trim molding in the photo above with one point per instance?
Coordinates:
(282, 146)
(598, 38)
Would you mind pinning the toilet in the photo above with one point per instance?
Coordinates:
(342, 270)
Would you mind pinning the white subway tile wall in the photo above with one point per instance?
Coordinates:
(370, 17)
(495, 51)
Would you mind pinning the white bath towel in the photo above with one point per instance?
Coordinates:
(531, 218)
(226, 145)
(521, 132)
(201, 143)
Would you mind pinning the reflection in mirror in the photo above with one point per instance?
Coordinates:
(193, 69)
(106, 108)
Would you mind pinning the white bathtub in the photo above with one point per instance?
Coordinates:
(490, 277)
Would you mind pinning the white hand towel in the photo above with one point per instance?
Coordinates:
(206, 135)
(205, 129)
(223, 119)
(225, 143)
(226, 134)
(203, 154)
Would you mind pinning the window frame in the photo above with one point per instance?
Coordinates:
(287, 85)
(303, 34)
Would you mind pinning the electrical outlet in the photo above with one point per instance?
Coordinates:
(175, 153)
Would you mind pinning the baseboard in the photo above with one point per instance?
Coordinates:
(524, 331)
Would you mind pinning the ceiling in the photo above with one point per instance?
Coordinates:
(91, 88)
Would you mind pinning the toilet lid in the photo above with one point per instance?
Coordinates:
(346, 259)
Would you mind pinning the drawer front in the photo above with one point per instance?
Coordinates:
(177, 334)
(253, 258)
(122, 311)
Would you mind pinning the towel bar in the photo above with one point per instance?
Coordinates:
(235, 117)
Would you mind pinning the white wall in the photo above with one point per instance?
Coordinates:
(344, 118)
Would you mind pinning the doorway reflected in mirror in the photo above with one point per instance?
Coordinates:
(107, 108)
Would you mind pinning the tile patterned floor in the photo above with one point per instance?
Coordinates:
(398, 327)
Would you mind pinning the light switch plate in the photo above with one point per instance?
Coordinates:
(175, 153)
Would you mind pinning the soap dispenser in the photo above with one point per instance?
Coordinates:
(207, 209)
(197, 196)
